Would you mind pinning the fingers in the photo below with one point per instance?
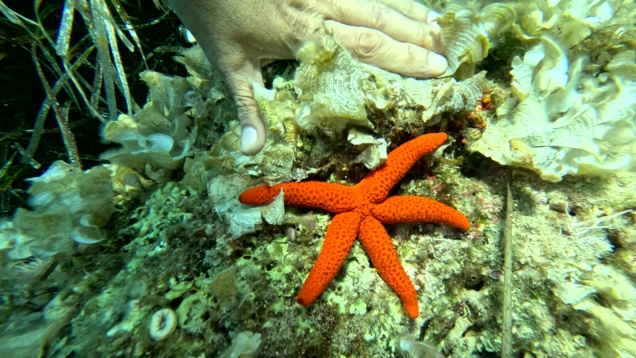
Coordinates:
(412, 9)
(404, 21)
(376, 48)
(253, 133)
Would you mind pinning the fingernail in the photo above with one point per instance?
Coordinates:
(432, 15)
(248, 139)
(432, 23)
(437, 64)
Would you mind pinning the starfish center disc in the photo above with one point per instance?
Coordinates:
(364, 209)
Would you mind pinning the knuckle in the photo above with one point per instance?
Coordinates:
(412, 55)
(379, 15)
(368, 44)
(241, 91)
(244, 98)
(303, 27)
(248, 113)
(422, 35)
(409, 8)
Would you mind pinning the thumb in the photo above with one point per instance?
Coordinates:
(253, 133)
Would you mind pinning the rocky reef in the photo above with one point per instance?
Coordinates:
(539, 95)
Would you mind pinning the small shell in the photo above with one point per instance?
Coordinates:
(375, 149)
(162, 324)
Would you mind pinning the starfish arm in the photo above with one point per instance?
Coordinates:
(338, 241)
(335, 198)
(403, 209)
(376, 186)
(377, 243)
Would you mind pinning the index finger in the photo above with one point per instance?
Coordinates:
(388, 16)
(412, 9)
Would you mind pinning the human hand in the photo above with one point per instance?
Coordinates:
(396, 35)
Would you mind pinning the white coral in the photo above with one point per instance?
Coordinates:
(162, 133)
(565, 121)
(68, 205)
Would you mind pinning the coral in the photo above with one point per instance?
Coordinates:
(468, 34)
(162, 133)
(68, 206)
(330, 84)
(360, 211)
(244, 345)
(580, 124)
(568, 22)
(569, 113)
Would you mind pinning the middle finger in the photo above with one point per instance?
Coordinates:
(384, 18)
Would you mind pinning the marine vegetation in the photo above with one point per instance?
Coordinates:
(143, 245)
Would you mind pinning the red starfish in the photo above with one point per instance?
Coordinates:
(360, 211)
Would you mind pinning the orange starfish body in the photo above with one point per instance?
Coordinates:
(360, 212)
